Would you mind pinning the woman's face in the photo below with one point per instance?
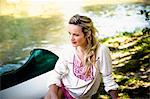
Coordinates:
(77, 37)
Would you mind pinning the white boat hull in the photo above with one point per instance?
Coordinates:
(35, 88)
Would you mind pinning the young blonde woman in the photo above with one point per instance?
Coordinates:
(79, 69)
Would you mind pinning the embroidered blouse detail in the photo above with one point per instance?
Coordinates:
(79, 70)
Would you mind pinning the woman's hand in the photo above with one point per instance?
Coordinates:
(114, 94)
(52, 92)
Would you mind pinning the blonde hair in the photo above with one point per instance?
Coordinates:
(89, 31)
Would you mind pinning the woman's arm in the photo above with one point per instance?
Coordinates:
(54, 79)
(106, 70)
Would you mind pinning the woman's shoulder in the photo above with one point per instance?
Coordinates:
(102, 50)
(66, 51)
(102, 47)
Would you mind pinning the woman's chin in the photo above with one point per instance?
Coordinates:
(74, 45)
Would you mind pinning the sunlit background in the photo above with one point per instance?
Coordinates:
(29, 24)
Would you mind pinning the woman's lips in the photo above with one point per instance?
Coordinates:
(73, 42)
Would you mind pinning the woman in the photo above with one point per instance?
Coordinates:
(78, 70)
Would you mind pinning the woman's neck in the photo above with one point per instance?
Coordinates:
(81, 50)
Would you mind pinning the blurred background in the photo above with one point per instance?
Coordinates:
(123, 25)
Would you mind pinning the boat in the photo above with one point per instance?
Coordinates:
(30, 80)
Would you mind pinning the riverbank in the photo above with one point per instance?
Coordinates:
(130, 56)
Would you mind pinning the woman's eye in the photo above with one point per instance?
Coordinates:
(73, 34)
(76, 34)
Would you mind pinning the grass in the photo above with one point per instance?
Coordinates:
(131, 64)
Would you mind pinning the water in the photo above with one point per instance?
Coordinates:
(109, 20)
(122, 18)
(10, 67)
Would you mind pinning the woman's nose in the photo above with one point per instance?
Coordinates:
(71, 37)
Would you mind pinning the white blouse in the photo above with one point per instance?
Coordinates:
(77, 87)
